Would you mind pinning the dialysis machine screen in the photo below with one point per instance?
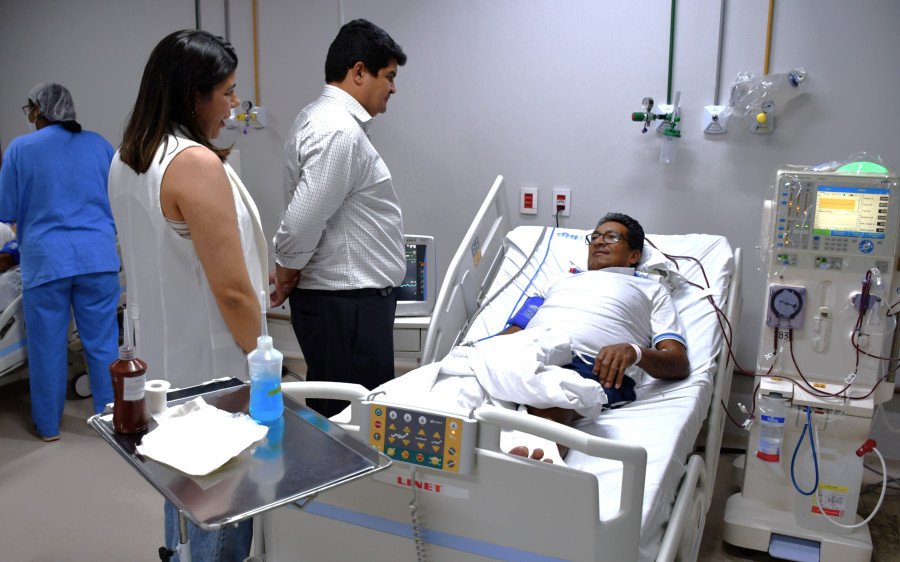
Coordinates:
(415, 295)
(859, 212)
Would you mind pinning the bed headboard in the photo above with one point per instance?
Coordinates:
(477, 259)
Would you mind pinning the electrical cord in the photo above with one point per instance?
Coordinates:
(530, 281)
(416, 518)
(485, 304)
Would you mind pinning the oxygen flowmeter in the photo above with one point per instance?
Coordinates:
(668, 125)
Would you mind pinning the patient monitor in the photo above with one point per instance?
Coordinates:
(416, 294)
(825, 360)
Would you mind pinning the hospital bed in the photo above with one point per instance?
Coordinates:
(639, 478)
(13, 351)
(13, 339)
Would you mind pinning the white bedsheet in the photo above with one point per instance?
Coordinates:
(667, 417)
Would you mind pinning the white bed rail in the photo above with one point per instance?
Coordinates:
(482, 246)
(12, 335)
(681, 540)
(10, 311)
(632, 457)
(366, 505)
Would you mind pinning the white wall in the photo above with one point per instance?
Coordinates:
(539, 91)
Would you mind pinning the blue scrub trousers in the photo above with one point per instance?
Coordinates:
(48, 309)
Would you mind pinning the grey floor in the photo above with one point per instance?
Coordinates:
(76, 500)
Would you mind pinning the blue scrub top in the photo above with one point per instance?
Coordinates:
(53, 185)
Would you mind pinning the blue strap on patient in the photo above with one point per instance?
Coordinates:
(526, 313)
(616, 396)
(11, 248)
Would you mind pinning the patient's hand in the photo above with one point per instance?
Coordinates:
(522, 451)
(611, 362)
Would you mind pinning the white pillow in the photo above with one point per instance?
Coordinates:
(652, 260)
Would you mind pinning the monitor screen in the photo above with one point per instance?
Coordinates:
(415, 295)
(859, 212)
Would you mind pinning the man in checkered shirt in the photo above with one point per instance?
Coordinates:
(339, 248)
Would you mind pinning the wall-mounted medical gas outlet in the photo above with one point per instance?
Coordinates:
(258, 117)
(528, 200)
(713, 119)
(765, 119)
(247, 116)
(562, 201)
(666, 109)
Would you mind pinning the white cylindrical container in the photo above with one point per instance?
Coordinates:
(667, 151)
(772, 411)
(840, 478)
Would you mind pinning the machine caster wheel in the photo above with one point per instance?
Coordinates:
(81, 385)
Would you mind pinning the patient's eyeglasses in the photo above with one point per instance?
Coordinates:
(608, 237)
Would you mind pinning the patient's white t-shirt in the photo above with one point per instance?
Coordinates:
(609, 306)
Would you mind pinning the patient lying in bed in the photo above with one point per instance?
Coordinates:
(597, 332)
(621, 324)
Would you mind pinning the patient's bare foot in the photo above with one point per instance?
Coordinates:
(522, 451)
(559, 415)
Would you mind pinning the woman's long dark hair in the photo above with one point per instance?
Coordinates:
(183, 67)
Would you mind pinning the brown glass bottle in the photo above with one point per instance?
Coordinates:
(129, 374)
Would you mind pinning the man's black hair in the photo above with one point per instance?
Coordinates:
(635, 231)
(361, 40)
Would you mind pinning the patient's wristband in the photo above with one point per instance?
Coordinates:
(639, 354)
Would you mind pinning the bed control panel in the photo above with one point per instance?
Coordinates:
(426, 438)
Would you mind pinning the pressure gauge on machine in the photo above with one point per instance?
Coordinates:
(785, 306)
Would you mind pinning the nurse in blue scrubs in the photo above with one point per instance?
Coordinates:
(53, 185)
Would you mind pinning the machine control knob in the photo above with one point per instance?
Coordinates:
(866, 246)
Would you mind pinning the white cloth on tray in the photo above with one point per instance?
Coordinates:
(197, 438)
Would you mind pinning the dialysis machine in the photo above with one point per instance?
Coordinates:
(825, 362)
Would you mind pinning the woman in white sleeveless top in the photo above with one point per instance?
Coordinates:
(194, 252)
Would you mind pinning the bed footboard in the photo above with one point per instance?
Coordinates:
(508, 508)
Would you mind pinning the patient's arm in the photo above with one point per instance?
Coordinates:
(6, 262)
(669, 361)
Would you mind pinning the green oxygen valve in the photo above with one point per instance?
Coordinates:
(668, 126)
(647, 116)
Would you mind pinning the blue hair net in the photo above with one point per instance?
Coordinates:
(55, 101)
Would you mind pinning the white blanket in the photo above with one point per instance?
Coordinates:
(520, 368)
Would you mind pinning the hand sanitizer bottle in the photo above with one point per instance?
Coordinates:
(266, 401)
